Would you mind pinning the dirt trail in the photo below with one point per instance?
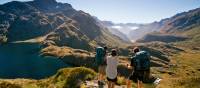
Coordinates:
(94, 84)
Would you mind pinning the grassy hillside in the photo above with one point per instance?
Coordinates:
(186, 71)
(180, 70)
(161, 37)
(65, 78)
(194, 41)
(184, 66)
(65, 26)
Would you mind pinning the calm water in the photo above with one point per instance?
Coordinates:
(23, 61)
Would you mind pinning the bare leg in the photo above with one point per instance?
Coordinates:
(138, 84)
(141, 86)
(98, 76)
(109, 84)
(113, 85)
(101, 73)
(128, 83)
(101, 77)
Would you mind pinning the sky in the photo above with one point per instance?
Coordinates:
(131, 11)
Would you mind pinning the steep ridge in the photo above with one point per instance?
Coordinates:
(177, 25)
(65, 25)
(182, 21)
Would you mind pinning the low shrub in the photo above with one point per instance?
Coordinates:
(5, 84)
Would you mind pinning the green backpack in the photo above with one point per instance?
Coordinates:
(141, 60)
(100, 54)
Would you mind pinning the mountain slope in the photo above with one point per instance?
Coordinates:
(59, 22)
(115, 31)
(194, 41)
(144, 29)
(119, 34)
(26, 28)
(162, 37)
(182, 21)
(177, 25)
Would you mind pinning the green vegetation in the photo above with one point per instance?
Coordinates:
(3, 39)
(63, 35)
(121, 81)
(186, 73)
(194, 41)
(74, 76)
(9, 85)
(65, 78)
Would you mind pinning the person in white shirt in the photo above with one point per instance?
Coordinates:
(111, 68)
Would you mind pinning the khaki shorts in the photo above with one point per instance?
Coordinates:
(102, 69)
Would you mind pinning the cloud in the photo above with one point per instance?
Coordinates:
(116, 27)
(133, 28)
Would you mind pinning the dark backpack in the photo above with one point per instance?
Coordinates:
(100, 54)
(141, 60)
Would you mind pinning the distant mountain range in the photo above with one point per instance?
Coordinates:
(144, 29)
(168, 27)
(178, 25)
(122, 29)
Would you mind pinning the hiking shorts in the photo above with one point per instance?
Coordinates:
(140, 75)
(112, 80)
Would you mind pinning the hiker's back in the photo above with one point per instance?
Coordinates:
(111, 68)
(141, 60)
(141, 63)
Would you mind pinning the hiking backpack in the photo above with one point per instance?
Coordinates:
(100, 54)
(141, 60)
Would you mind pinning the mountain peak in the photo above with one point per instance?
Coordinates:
(46, 1)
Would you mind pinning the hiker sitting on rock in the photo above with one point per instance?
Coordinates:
(111, 68)
(141, 67)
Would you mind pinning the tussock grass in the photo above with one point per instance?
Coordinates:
(186, 72)
(64, 51)
(6, 84)
(65, 78)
